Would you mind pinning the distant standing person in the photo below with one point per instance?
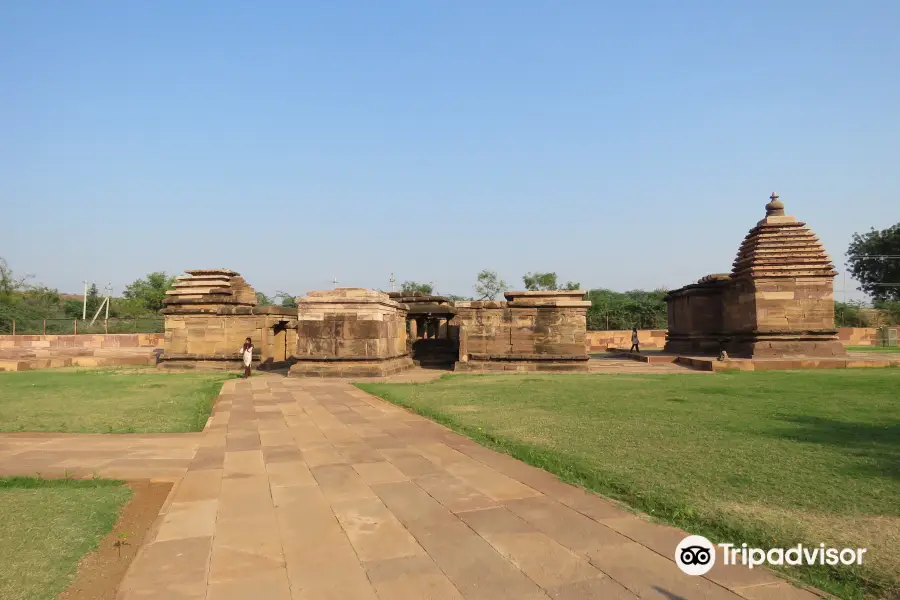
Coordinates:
(247, 356)
(635, 346)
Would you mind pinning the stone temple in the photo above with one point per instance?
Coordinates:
(355, 332)
(208, 315)
(778, 300)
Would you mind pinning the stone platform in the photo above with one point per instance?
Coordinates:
(348, 367)
(708, 363)
(853, 360)
(525, 363)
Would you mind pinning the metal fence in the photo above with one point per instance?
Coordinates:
(79, 326)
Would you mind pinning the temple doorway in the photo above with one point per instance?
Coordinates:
(434, 341)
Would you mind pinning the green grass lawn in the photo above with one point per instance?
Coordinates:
(803, 456)
(48, 525)
(873, 348)
(107, 400)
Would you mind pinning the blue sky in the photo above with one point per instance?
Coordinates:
(623, 145)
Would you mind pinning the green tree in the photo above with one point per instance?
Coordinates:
(150, 291)
(540, 281)
(874, 261)
(10, 285)
(891, 311)
(455, 298)
(489, 285)
(44, 299)
(262, 299)
(93, 300)
(546, 281)
(286, 300)
(123, 308)
(412, 287)
(624, 310)
(73, 308)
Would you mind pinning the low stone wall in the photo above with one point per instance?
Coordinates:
(84, 341)
(650, 339)
(655, 339)
(857, 336)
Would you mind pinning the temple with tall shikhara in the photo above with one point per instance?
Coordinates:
(778, 300)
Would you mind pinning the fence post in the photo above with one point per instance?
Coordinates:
(105, 325)
(76, 326)
(14, 327)
(45, 327)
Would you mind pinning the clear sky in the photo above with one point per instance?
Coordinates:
(623, 145)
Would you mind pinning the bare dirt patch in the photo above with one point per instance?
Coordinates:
(100, 572)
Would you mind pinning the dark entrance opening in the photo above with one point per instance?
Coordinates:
(433, 340)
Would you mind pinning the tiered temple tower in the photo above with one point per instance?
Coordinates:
(781, 298)
(777, 302)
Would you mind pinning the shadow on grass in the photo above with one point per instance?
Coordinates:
(878, 445)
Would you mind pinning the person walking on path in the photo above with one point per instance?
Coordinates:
(247, 356)
(635, 346)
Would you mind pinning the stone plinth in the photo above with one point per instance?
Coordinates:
(543, 330)
(208, 316)
(350, 332)
(777, 302)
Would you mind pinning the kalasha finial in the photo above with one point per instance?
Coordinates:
(775, 208)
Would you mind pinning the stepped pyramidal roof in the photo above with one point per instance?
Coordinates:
(781, 246)
(211, 286)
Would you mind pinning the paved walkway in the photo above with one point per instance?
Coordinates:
(314, 490)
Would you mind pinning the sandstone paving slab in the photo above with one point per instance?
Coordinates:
(289, 473)
(410, 578)
(453, 493)
(198, 486)
(650, 575)
(602, 588)
(270, 585)
(188, 520)
(490, 482)
(409, 462)
(284, 453)
(374, 531)
(169, 569)
(776, 591)
(542, 559)
(379, 472)
(341, 482)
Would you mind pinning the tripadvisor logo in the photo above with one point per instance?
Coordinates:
(696, 555)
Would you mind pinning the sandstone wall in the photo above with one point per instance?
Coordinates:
(486, 327)
(857, 336)
(650, 339)
(788, 304)
(532, 326)
(350, 323)
(86, 341)
(350, 332)
(211, 335)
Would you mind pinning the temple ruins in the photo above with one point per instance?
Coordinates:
(531, 331)
(210, 313)
(350, 332)
(778, 300)
(366, 333)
